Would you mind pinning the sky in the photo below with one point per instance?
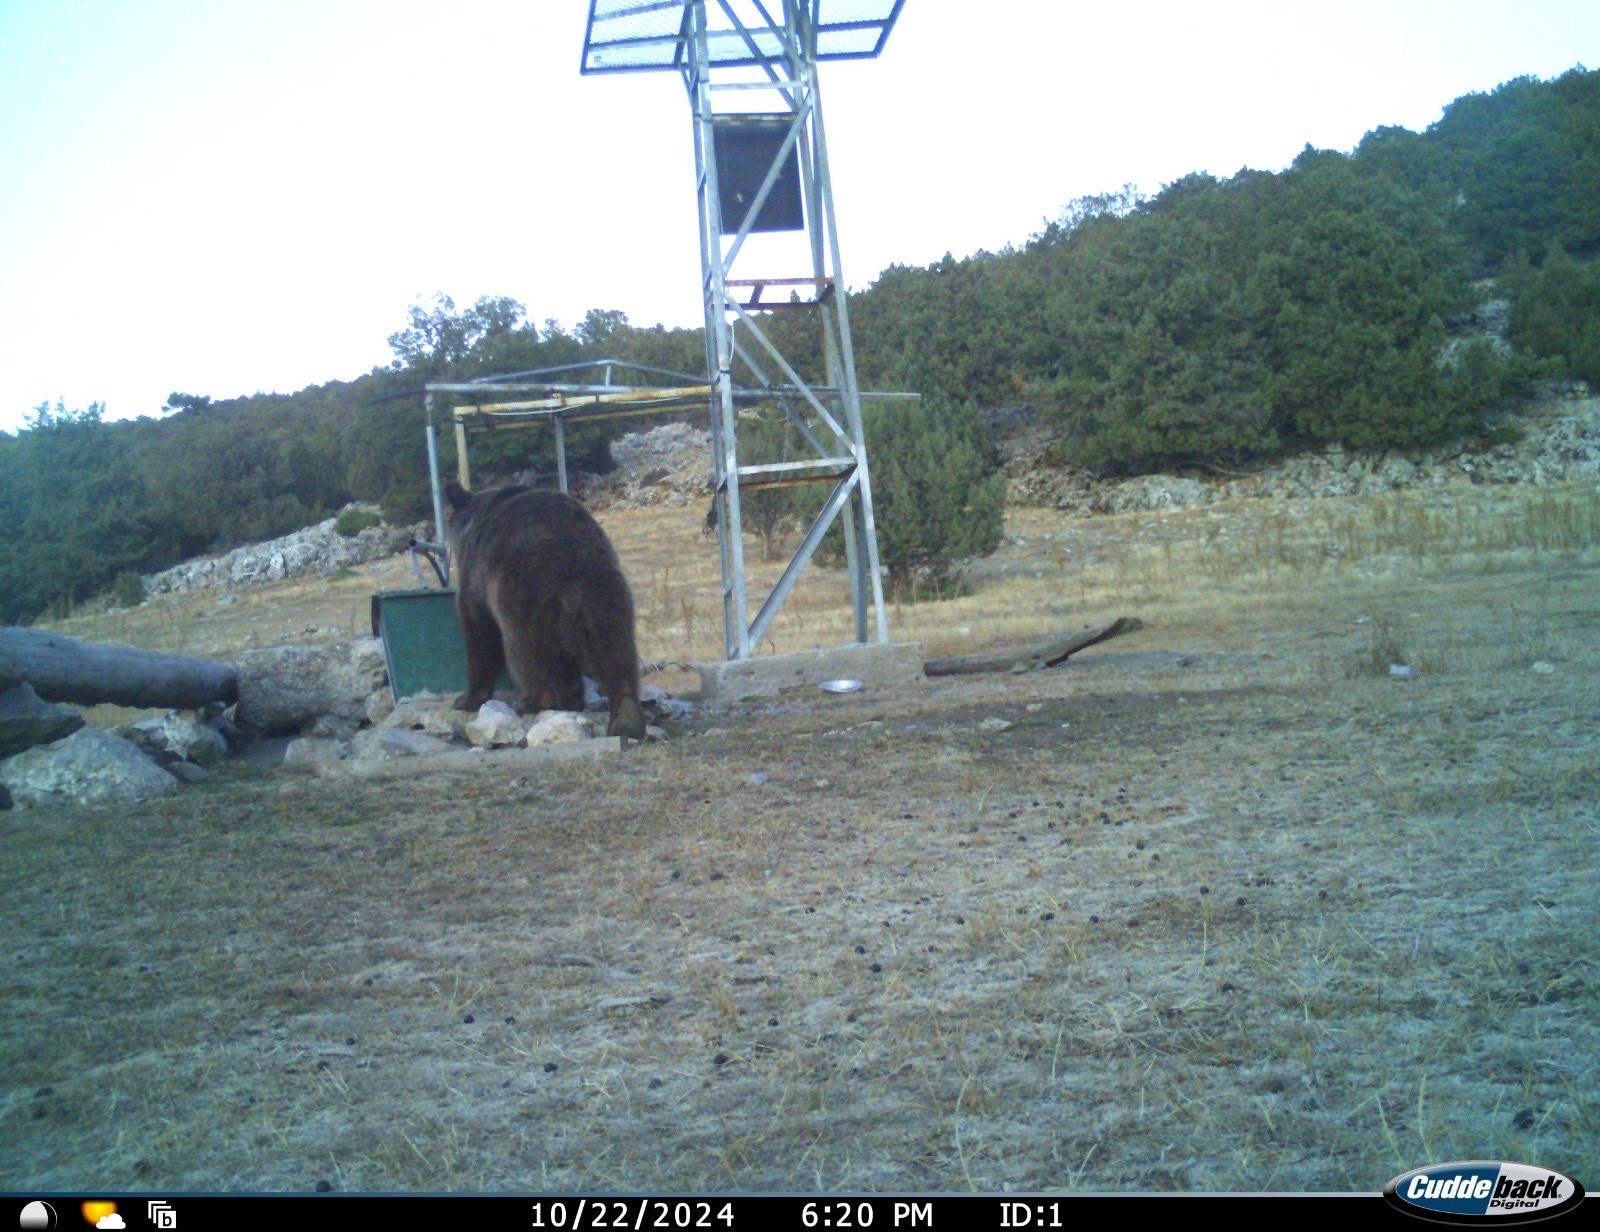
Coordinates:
(230, 198)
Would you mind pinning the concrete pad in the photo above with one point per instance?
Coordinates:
(877, 665)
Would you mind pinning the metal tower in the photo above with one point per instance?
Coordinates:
(761, 167)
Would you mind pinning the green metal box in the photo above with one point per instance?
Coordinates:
(422, 643)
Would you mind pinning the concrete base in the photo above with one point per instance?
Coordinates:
(877, 665)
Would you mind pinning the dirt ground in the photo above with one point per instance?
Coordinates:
(1226, 907)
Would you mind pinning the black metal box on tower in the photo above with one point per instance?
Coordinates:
(745, 151)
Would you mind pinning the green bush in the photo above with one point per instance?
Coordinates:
(127, 590)
(937, 497)
(1223, 321)
(352, 521)
(1555, 312)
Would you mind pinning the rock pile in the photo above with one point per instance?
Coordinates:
(334, 702)
(146, 761)
(317, 550)
(667, 465)
(428, 726)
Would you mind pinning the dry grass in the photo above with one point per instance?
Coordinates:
(1225, 909)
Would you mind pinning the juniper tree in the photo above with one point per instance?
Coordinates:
(937, 495)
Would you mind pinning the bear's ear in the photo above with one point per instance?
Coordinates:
(458, 496)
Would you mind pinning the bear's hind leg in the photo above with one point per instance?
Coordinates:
(627, 719)
(597, 627)
(560, 687)
(618, 673)
(486, 656)
(539, 670)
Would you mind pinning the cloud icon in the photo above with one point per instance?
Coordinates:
(112, 1220)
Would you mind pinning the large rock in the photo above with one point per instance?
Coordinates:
(497, 725)
(183, 736)
(434, 715)
(88, 767)
(288, 688)
(312, 755)
(658, 703)
(26, 720)
(379, 705)
(383, 743)
(556, 727)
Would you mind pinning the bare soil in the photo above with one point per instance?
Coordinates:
(1225, 908)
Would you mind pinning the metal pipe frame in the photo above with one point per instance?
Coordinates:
(564, 401)
(433, 475)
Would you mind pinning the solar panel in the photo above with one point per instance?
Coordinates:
(624, 36)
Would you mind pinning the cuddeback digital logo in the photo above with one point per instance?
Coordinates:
(1485, 1190)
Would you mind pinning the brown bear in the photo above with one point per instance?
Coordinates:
(539, 589)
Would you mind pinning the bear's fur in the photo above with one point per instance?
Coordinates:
(539, 590)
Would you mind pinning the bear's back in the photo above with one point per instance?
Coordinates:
(517, 525)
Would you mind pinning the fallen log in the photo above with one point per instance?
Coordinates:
(1039, 654)
(63, 669)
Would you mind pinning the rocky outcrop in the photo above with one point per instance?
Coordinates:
(1160, 493)
(429, 727)
(1559, 442)
(1556, 448)
(671, 464)
(317, 551)
(432, 716)
(667, 465)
